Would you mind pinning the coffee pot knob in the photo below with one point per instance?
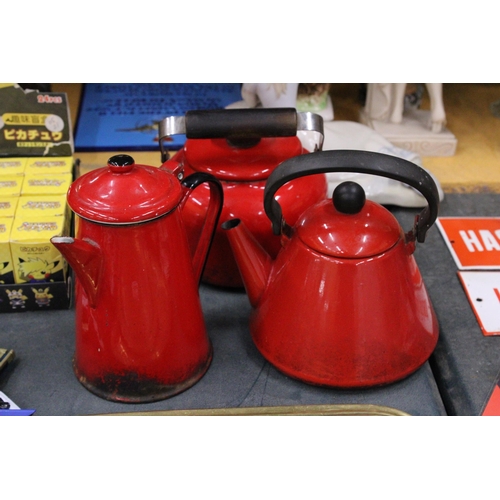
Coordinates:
(121, 163)
(349, 197)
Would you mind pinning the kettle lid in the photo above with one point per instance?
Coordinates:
(349, 226)
(124, 192)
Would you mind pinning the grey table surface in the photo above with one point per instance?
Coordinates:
(466, 364)
(42, 376)
(456, 381)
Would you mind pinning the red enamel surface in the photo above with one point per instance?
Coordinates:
(243, 173)
(217, 157)
(345, 322)
(146, 337)
(370, 232)
(120, 195)
(140, 331)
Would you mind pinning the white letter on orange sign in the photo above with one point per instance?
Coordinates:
(471, 240)
(490, 242)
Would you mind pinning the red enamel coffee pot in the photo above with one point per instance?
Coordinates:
(140, 332)
(241, 147)
(343, 304)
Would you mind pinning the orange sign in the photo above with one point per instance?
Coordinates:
(474, 242)
(492, 408)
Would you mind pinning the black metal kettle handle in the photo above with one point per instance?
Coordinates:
(364, 162)
(254, 123)
(261, 122)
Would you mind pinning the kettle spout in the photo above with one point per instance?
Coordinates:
(85, 260)
(253, 261)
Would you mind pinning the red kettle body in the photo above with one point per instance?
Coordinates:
(140, 332)
(241, 148)
(343, 304)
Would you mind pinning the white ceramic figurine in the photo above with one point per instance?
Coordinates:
(389, 113)
(385, 101)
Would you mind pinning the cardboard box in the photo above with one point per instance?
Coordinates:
(46, 184)
(11, 185)
(34, 123)
(12, 166)
(41, 206)
(35, 297)
(8, 206)
(42, 277)
(36, 170)
(6, 267)
(35, 259)
(53, 165)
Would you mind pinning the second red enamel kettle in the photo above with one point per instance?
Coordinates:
(343, 304)
(241, 147)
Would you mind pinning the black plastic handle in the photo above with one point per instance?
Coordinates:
(363, 162)
(242, 128)
(225, 123)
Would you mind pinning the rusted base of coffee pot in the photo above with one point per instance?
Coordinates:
(132, 388)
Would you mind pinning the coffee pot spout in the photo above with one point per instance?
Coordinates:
(254, 263)
(86, 261)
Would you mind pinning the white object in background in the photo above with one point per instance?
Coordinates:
(342, 135)
(415, 129)
(286, 95)
(385, 101)
(270, 95)
(13, 405)
(353, 135)
(483, 291)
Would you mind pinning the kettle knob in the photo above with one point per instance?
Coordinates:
(349, 197)
(121, 163)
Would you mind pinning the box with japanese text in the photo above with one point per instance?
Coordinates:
(6, 268)
(35, 259)
(42, 206)
(53, 165)
(34, 123)
(46, 184)
(39, 276)
(12, 166)
(8, 206)
(11, 185)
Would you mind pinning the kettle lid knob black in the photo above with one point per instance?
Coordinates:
(121, 163)
(349, 197)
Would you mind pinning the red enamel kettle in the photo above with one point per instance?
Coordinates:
(241, 147)
(140, 332)
(343, 304)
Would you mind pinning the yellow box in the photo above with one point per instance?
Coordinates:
(41, 206)
(49, 165)
(11, 185)
(6, 268)
(8, 205)
(35, 259)
(46, 184)
(12, 166)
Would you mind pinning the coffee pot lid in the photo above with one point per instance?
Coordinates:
(124, 192)
(349, 226)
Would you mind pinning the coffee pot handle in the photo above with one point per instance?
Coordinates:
(212, 216)
(364, 162)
